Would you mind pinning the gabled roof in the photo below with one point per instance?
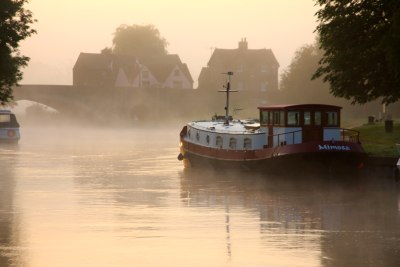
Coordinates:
(93, 61)
(244, 56)
(161, 66)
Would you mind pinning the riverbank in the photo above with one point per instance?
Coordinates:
(380, 145)
(378, 142)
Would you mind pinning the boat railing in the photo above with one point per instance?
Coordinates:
(282, 137)
(348, 135)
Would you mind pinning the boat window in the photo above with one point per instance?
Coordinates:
(208, 139)
(247, 143)
(218, 141)
(197, 136)
(232, 143)
(307, 118)
(317, 118)
(279, 117)
(293, 118)
(332, 118)
(264, 117)
(5, 118)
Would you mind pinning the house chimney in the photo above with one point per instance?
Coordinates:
(243, 44)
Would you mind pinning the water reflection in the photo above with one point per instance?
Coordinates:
(337, 221)
(120, 198)
(10, 249)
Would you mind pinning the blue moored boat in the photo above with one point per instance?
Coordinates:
(9, 127)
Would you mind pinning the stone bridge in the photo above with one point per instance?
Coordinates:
(105, 103)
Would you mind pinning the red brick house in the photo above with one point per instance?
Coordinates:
(254, 69)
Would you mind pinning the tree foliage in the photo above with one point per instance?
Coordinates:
(14, 26)
(138, 40)
(360, 40)
(296, 84)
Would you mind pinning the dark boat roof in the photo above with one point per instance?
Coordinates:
(300, 107)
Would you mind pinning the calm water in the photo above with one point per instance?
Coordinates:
(73, 197)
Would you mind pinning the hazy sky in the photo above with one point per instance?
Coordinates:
(192, 28)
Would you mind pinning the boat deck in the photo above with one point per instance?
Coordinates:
(234, 127)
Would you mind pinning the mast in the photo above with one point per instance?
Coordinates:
(228, 90)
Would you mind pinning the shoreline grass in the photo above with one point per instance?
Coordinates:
(377, 142)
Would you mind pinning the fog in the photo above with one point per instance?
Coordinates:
(192, 28)
(95, 179)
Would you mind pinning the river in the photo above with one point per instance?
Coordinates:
(99, 197)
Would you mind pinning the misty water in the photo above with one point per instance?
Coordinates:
(100, 197)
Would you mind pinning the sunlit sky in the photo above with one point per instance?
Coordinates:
(192, 28)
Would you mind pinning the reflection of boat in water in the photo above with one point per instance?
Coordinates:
(9, 127)
(285, 137)
(349, 223)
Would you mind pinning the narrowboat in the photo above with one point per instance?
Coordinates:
(9, 127)
(285, 137)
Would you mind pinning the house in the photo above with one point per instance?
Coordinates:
(254, 69)
(107, 69)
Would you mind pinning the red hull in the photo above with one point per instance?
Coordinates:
(310, 155)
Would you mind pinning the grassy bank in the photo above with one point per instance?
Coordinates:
(377, 142)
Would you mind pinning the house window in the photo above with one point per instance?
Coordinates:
(218, 141)
(247, 143)
(177, 84)
(189, 133)
(264, 68)
(208, 139)
(293, 118)
(177, 72)
(239, 86)
(232, 143)
(264, 86)
(197, 136)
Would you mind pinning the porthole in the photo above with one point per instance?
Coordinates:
(218, 142)
(247, 143)
(232, 143)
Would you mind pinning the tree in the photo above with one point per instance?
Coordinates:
(296, 84)
(139, 40)
(360, 40)
(14, 26)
